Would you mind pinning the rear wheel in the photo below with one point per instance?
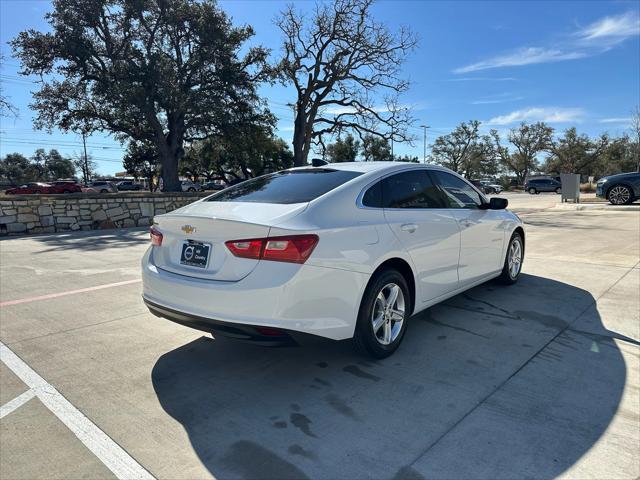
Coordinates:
(513, 260)
(383, 315)
(558, 190)
(104, 191)
(620, 195)
(533, 191)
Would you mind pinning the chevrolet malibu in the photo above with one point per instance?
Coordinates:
(344, 251)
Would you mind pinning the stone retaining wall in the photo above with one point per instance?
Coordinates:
(25, 214)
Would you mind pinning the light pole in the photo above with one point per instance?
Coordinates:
(424, 157)
(393, 158)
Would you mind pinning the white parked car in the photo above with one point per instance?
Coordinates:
(189, 186)
(349, 250)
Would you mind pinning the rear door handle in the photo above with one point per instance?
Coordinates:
(409, 227)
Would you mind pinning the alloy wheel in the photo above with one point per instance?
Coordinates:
(387, 316)
(515, 257)
(619, 195)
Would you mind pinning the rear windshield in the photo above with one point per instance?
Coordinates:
(293, 186)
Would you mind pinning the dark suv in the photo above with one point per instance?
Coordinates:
(620, 189)
(538, 185)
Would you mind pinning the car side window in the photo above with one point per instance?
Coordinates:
(459, 194)
(373, 196)
(411, 189)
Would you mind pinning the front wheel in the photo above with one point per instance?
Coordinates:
(192, 189)
(620, 195)
(383, 315)
(532, 191)
(513, 260)
(558, 190)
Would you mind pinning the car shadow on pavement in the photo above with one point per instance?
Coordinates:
(499, 382)
(94, 240)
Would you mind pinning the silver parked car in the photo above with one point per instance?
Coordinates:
(102, 186)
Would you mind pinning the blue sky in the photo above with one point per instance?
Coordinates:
(563, 62)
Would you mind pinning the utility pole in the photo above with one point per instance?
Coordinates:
(393, 158)
(85, 172)
(424, 157)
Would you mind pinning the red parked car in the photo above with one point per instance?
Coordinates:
(30, 188)
(65, 187)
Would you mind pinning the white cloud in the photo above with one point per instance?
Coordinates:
(520, 57)
(613, 29)
(591, 40)
(482, 79)
(616, 120)
(539, 114)
(500, 98)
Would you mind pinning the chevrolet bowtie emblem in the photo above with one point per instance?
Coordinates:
(188, 229)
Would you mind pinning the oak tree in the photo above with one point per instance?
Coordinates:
(161, 71)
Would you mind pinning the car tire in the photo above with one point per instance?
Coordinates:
(191, 189)
(512, 260)
(620, 195)
(533, 191)
(66, 191)
(380, 330)
(558, 190)
(104, 191)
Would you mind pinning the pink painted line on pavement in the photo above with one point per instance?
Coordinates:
(68, 292)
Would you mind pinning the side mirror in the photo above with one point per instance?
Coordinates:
(497, 203)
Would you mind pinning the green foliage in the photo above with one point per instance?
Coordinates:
(86, 166)
(42, 166)
(17, 169)
(573, 153)
(343, 150)
(620, 155)
(375, 149)
(527, 142)
(465, 151)
(242, 153)
(142, 160)
(164, 72)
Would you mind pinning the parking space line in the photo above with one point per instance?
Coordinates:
(68, 292)
(16, 403)
(112, 455)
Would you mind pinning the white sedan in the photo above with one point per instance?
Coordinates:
(348, 250)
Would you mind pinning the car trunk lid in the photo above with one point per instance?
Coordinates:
(210, 224)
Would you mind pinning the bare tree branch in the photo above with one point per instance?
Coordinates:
(341, 61)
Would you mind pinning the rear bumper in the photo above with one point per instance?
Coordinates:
(248, 333)
(294, 298)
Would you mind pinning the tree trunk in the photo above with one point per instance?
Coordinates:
(299, 140)
(170, 179)
(171, 151)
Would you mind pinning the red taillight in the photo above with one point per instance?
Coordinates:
(292, 248)
(156, 236)
(296, 248)
(246, 248)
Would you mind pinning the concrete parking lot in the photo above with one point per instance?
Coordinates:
(537, 380)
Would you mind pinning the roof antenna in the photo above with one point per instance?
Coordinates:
(318, 162)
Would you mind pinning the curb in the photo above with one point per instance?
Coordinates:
(595, 206)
